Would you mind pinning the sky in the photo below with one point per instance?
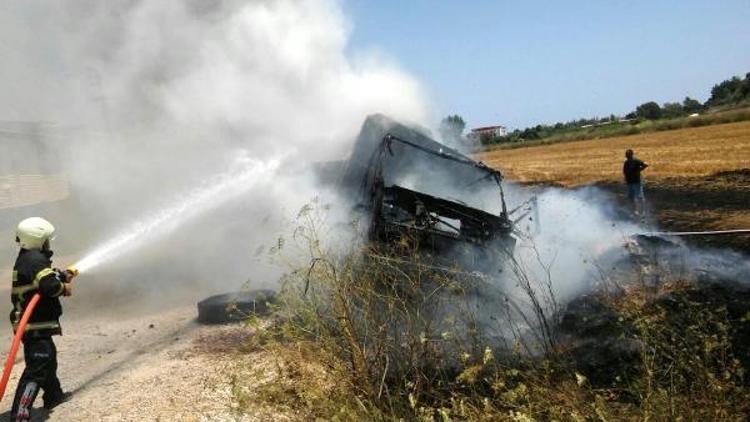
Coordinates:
(521, 63)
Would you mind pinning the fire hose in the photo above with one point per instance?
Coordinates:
(16, 342)
(10, 361)
(699, 233)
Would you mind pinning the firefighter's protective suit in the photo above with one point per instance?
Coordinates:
(33, 273)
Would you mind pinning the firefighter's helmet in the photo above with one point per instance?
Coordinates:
(34, 232)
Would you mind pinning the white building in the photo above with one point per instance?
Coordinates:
(487, 132)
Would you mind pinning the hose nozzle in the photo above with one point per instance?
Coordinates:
(72, 270)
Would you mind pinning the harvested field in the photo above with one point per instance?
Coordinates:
(698, 179)
(679, 153)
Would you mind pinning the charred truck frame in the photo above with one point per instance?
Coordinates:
(420, 195)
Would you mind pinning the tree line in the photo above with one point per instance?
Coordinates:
(731, 92)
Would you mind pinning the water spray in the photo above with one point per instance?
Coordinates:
(247, 173)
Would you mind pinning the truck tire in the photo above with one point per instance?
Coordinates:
(236, 306)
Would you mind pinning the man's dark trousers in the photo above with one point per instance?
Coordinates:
(40, 355)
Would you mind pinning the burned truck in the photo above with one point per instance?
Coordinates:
(417, 194)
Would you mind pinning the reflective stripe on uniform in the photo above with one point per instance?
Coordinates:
(31, 326)
(20, 290)
(41, 274)
(17, 305)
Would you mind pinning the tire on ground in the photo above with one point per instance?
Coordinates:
(236, 306)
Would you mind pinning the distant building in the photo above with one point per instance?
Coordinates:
(30, 166)
(487, 132)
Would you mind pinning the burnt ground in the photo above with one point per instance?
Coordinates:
(720, 201)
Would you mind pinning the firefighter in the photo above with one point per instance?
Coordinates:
(33, 273)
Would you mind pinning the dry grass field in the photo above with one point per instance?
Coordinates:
(698, 179)
(679, 153)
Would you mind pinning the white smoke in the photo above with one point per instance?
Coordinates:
(150, 99)
(574, 242)
(185, 208)
(154, 98)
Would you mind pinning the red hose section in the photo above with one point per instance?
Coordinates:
(16, 342)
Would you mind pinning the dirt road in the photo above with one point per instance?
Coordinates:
(140, 368)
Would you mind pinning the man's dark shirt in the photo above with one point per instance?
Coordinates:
(632, 170)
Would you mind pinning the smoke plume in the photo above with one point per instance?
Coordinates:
(149, 100)
(145, 103)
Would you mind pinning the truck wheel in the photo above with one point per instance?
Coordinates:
(234, 307)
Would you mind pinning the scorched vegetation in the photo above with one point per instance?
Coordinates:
(359, 338)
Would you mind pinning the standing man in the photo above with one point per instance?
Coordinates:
(632, 169)
(33, 273)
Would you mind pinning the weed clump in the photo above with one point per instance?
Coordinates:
(392, 337)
